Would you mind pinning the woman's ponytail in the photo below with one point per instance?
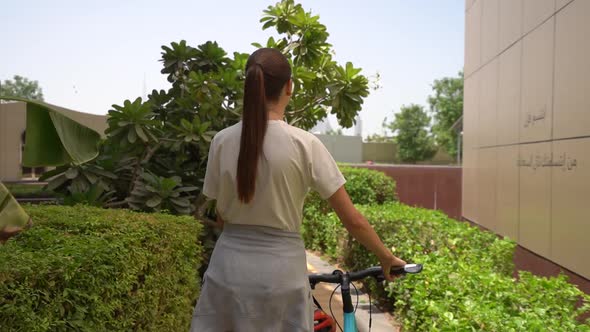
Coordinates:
(254, 124)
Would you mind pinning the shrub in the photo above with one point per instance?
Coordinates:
(414, 231)
(19, 190)
(364, 186)
(467, 282)
(88, 269)
(450, 295)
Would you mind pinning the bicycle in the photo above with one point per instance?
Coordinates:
(345, 279)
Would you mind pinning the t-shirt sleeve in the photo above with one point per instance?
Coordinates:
(211, 183)
(326, 177)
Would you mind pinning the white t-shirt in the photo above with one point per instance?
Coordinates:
(292, 162)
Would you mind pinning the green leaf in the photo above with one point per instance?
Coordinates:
(12, 217)
(51, 173)
(53, 138)
(182, 202)
(57, 182)
(141, 133)
(187, 189)
(186, 124)
(71, 173)
(267, 25)
(154, 201)
(132, 136)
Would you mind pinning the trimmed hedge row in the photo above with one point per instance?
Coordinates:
(89, 269)
(32, 190)
(364, 186)
(467, 282)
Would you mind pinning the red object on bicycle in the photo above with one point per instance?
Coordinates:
(323, 322)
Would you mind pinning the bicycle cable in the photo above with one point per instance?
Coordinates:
(330, 305)
(355, 307)
(357, 296)
(357, 304)
(370, 311)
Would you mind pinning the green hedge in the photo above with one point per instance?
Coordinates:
(88, 269)
(364, 186)
(28, 190)
(467, 282)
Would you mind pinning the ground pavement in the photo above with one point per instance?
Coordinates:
(382, 322)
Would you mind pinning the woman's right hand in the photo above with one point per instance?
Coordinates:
(387, 263)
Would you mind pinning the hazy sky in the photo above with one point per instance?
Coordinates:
(90, 55)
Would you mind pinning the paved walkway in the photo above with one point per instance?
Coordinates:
(381, 322)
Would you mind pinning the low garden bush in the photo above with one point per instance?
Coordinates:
(89, 269)
(29, 190)
(364, 186)
(467, 282)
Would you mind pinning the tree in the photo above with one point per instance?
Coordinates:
(335, 132)
(410, 127)
(383, 137)
(155, 154)
(21, 87)
(376, 138)
(446, 105)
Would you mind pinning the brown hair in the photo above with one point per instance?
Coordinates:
(267, 71)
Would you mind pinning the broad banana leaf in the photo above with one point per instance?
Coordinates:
(13, 218)
(53, 138)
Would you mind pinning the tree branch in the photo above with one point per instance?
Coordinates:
(313, 102)
(149, 153)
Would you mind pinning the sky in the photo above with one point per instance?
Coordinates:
(88, 55)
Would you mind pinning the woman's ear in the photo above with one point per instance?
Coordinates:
(289, 87)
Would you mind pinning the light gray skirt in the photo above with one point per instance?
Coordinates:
(256, 282)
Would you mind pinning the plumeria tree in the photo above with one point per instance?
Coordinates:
(154, 156)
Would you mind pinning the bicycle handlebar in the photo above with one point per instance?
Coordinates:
(375, 271)
(345, 278)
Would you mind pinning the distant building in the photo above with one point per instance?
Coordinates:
(358, 127)
(12, 138)
(322, 127)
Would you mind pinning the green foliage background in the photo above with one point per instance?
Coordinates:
(21, 87)
(412, 134)
(467, 282)
(363, 186)
(446, 106)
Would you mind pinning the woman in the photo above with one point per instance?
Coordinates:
(259, 171)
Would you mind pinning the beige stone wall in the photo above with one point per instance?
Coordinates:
(526, 171)
(380, 152)
(346, 149)
(12, 125)
(386, 153)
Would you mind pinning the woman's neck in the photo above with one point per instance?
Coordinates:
(276, 113)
